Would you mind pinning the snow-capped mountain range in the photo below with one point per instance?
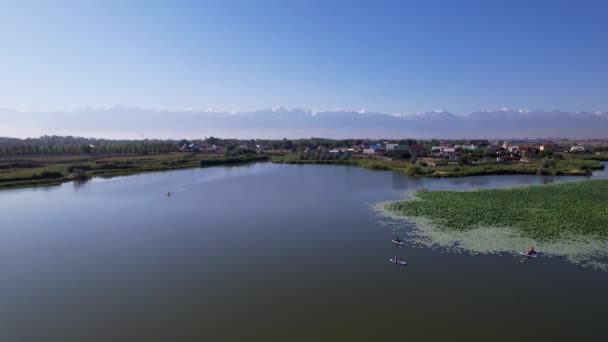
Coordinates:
(131, 122)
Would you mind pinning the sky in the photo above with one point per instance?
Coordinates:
(381, 56)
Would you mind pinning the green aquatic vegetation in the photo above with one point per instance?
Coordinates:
(544, 213)
(586, 251)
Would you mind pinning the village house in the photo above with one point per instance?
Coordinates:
(448, 150)
(470, 147)
(526, 149)
(483, 143)
(417, 150)
(210, 148)
(547, 146)
(190, 148)
(512, 146)
(337, 151)
(522, 148)
(358, 148)
(439, 151)
(374, 149)
(506, 159)
(577, 149)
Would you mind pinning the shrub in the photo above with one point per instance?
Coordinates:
(79, 174)
(48, 175)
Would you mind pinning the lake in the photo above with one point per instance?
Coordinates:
(267, 252)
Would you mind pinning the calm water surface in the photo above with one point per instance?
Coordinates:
(266, 252)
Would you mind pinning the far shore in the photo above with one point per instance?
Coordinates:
(36, 171)
(33, 171)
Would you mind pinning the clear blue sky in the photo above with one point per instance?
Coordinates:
(386, 56)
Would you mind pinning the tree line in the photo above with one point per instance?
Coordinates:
(52, 145)
(61, 145)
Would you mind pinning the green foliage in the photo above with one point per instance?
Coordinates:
(540, 212)
(413, 170)
(601, 156)
(48, 175)
(79, 174)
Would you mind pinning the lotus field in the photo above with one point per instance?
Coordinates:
(543, 213)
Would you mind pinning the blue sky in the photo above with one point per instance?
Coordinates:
(385, 56)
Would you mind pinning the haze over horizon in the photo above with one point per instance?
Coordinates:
(128, 122)
(76, 59)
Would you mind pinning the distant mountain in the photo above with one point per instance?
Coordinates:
(132, 122)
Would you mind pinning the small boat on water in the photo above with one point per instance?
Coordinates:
(398, 242)
(534, 255)
(398, 261)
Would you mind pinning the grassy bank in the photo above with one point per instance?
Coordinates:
(544, 213)
(39, 171)
(368, 163)
(601, 156)
(572, 165)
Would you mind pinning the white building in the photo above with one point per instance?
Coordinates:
(391, 147)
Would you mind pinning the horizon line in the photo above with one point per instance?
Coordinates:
(291, 109)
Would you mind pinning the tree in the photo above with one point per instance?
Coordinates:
(464, 160)
(287, 144)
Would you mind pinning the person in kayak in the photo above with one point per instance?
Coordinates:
(398, 240)
(531, 251)
(396, 259)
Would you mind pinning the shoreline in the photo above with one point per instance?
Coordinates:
(569, 167)
(56, 170)
(114, 166)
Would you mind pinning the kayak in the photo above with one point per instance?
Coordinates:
(535, 255)
(400, 243)
(398, 262)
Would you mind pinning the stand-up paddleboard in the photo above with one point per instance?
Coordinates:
(399, 243)
(398, 262)
(535, 255)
